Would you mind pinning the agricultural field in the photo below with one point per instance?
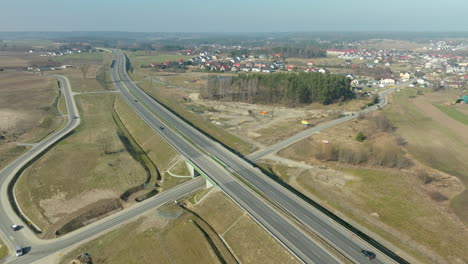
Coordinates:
(28, 111)
(175, 235)
(145, 58)
(410, 190)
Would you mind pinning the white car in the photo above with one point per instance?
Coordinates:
(19, 251)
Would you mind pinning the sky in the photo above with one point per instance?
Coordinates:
(233, 15)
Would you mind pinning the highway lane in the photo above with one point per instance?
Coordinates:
(257, 155)
(343, 240)
(277, 224)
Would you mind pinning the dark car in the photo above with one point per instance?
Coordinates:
(162, 128)
(368, 254)
(16, 227)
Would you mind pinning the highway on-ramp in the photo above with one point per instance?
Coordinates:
(37, 248)
(214, 159)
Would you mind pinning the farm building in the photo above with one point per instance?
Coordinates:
(463, 99)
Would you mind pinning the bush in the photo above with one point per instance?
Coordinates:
(360, 137)
(438, 197)
(380, 122)
(390, 156)
(424, 177)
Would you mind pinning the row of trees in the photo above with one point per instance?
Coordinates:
(307, 52)
(299, 52)
(290, 89)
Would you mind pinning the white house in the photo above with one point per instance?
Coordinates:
(387, 81)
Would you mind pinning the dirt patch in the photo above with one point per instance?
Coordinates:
(59, 205)
(92, 214)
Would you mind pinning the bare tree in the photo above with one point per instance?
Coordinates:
(84, 69)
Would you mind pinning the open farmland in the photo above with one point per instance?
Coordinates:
(28, 111)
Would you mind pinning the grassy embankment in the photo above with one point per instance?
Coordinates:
(176, 103)
(189, 239)
(159, 152)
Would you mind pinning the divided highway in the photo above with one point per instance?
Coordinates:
(283, 229)
(208, 155)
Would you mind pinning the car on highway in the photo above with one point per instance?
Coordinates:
(19, 251)
(368, 254)
(16, 227)
(162, 128)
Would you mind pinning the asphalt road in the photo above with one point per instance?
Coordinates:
(39, 249)
(257, 155)
(202, 151)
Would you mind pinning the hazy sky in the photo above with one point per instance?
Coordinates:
(233, 15)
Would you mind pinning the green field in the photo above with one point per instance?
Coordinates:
(453, 113)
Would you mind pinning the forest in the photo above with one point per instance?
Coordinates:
(291, 89)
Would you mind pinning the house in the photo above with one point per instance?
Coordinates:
(322, 70)
(405, 76)
(256, 70)
(310, 63)
(290, 67)
(355, 82)
(387, 81)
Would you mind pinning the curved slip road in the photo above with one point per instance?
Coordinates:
(203, 152)
(43, 248)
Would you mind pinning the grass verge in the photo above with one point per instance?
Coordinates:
(3, 250)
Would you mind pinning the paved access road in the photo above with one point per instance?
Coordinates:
(202, 151)
(257, 155)
(38, 248)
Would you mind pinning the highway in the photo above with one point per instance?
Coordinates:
(257, 155)
(282, 228)
(43, 248)
(213, 159)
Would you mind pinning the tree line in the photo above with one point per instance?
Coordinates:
(290, 89)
